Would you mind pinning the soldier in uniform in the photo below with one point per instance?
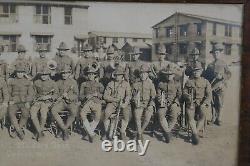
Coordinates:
(162, 63)
(22, 61)
(168, 96)
(69, 91)
(134, 66)
(91, 97)
(4, 97)
(143, 95)
(197, 94)
(108, 66)
(117, 95)
(46, 92)
(4, 71)
(63, 59)
(195, 54)
(21, 94)
(40, 63)
(83, 63)
(211, 75)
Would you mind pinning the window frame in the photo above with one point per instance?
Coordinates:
(40, 16)
(228, 49)
(184, 33)
(11, 44)
(181, 49)
(69, 16)
(36, 44)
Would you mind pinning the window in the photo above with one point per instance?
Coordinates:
(228, 30)
(156, 48)
(199, 29)
(80, 44)
(115, 40)
(156, 32)
(168, 48)
(183, 48)
(67, 15)
(42, 40)
(8, 13)
(183, 30)
(135, 39)
(228, 49)
(169, 31)
(9, 43)
(214, 28)
(43, 14)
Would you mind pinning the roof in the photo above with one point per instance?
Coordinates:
(211, 19)
(122, 34)
(75, 4)
(138, 44)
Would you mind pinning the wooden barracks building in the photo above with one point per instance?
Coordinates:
(41, 22)
(196, 31)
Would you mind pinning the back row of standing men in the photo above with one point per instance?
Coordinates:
(135, 88)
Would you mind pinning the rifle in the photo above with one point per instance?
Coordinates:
(117, 118)
(60, 98)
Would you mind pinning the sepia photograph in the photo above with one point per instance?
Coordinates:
(139, 84)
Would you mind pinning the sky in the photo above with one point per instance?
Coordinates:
(140, 17)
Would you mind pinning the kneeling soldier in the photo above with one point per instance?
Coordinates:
(68, 102)
(143, 95)
(197, 94)
(90, 95)
(21, 94)
(46, 92)
(168, 95)
(117, 95)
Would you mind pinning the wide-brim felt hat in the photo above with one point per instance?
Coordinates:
(135, 51)
(21, 48)
(144, 69)
(63, 46)
(197, 66)
(66, 69)
(194, 51)
(216, 48)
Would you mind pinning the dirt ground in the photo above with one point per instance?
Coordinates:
(217, 148)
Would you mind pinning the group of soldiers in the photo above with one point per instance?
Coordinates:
(111, 91)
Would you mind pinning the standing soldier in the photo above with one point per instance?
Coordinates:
(197, 94)
(211, 75)
(195, 54)
(40, 63)
(143, 95)
(134, 66)
(168, 95)
(91, 97)
(22, 61)
(63, 59)
(108, 66)
(4, 73)
(46, 92)
(4, 98)
(69, 91)
(117, 95)
(163, 63)
(83, 63)
(21, 94)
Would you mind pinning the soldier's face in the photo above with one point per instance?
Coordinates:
(19, 74)
(42, 54)
(195, 57)
(65, 75)
(21, 54)
(119, 77)
(197, 73)
(144, 76)
(45, 77)
(91, 76)
(62, 52)
(216, 54)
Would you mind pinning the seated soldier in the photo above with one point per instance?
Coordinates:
(69, 91)
(168, 95)
(143, 95)
(90, 95)
(197, 95)
(117, 95)
(21, 94)
(46, 92)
